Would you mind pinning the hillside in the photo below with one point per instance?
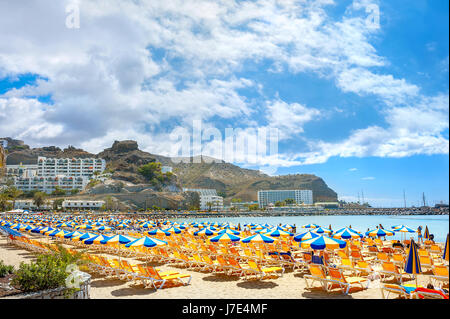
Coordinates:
(231, 181)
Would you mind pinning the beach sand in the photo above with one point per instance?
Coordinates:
(206, 285)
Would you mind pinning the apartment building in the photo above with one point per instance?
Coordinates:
(83, 204)
(75, 167)
(48, 184)
(49, 173)
(208, 197)
(300, 196)
(213, 201)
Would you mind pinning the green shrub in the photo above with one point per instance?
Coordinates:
(48, 272)
(5, 269)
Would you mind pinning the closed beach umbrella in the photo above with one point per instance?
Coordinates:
(147, 242)
(323, 242)
(426, 234)
(258, 238)
(412, 265)
(305, 236)
(445, 256)
(379, 233)
(225, 237)
(347, 233)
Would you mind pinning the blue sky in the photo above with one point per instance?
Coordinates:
(362, 105)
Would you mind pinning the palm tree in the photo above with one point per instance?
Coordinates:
(13, 194)
(39, 199)
(4, 202)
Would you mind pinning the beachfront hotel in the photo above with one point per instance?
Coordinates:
(48, 184)
(75, 167)
(300, 196)
(49, 173)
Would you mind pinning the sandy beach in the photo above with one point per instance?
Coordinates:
(206, 285)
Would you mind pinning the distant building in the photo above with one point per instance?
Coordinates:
(300, 196)
(49, 184)
(28, 204)
(74, 167)
(208, 197)
(50, 173)
(166, 169)
(21, 170)
(201, 191)
(83, 204)
(213, 201)
(242, 205)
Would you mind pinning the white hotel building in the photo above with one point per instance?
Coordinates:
(75, 167)
(300, 196)
(50, 173)
(208, 197)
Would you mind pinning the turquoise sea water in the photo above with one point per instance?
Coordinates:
(438, 225)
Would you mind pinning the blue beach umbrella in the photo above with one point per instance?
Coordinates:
(225, 237)
(90, 240)
(323, 242)
(205, 232)
(73, 234)
(174, 230)
(322, 230)
(147, 242)
(278, 233)
(446, 250)
(305, 236)
(405, 229)
(379, 233)
(121, 239)
(228, 231)
(258, 238)
(347, 233)
(412, 265)
(310, 226)
(158, 231)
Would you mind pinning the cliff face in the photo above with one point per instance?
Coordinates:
(231, 181)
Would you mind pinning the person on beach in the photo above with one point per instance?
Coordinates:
(432, 238)
(419, 235)
(397, 244)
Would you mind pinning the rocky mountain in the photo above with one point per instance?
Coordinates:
(231, 181)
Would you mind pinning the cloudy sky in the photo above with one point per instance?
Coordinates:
(357, 91)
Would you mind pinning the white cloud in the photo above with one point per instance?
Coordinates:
(368, 178)
(352, 169)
